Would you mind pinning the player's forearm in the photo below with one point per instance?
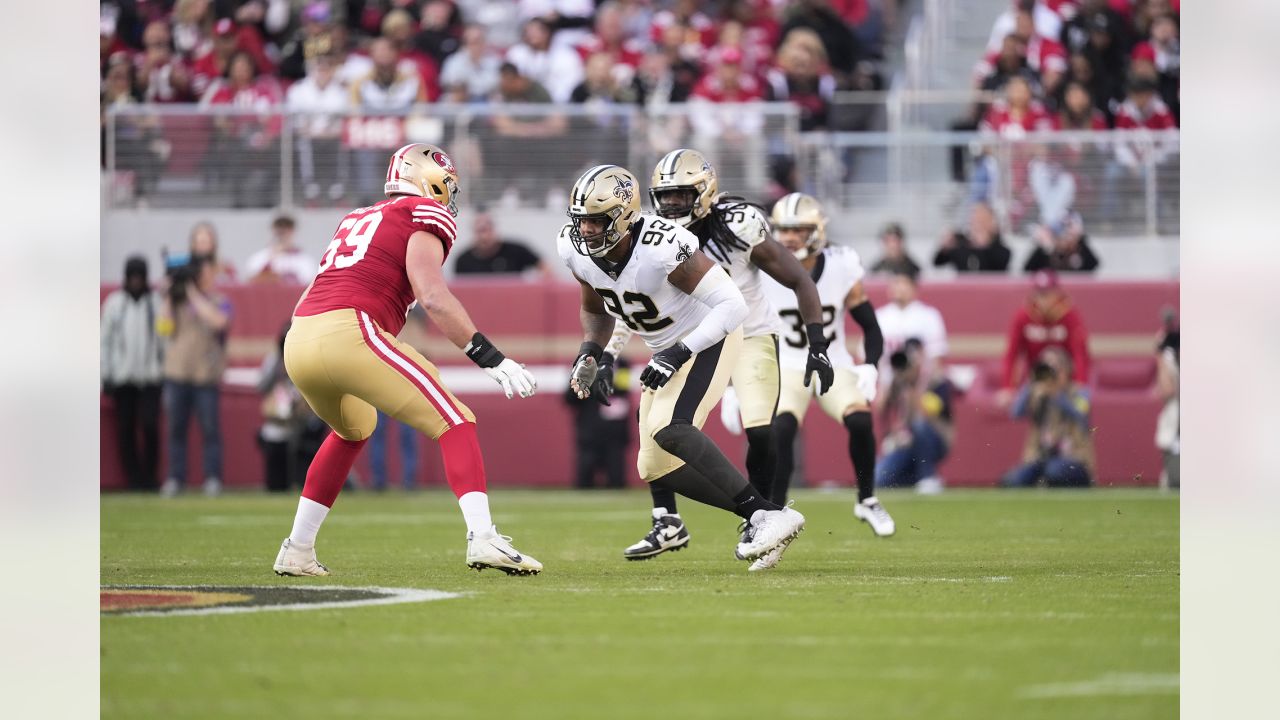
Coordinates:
(872, 338)
(728, 310)
(448, 314)
(597, 328)
(618, 340)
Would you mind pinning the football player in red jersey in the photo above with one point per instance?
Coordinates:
(342, 354)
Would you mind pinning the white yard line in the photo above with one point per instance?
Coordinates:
(1109, 684)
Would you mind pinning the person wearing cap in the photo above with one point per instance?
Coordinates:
(1062, 246)
(1049, 319)
(131, 373)
(894, 257)
(1125, 173)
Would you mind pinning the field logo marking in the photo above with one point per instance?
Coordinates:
(155, 600)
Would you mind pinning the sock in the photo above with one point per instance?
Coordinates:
(463, 464)
(475, 511)
(693, 485)
(663, 499)
(329, 470)
(747, 502)
(307, 522)
(862, 451)
(761, 458)
(690, 445)
(785, 428)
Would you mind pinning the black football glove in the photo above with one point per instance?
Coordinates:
(664, 364)
(818, 362)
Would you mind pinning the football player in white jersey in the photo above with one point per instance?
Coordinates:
(800, 225)
(735, 234)
(650, 274)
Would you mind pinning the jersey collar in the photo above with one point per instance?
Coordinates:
(613, 270)
(818, 267)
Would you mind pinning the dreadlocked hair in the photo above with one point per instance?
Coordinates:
(715, 236)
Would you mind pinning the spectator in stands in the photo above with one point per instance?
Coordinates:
(514, 135)
(281, 261)
(192, 25)
(842, 46)
(1062, 246)
(203, 243)
(664, 78)
(1160, 59)
(247, 144)
(193, 319)
(1142, 109)
(164, 77)
(471, 74)
(1017, 112)
(916, 415)
(905, 317)
(398, 27)
(314, 39)
(981, 249)
(800, 77)
(390, 88)
(610, 38)
(683, 29)
(1045, 21)
(440, 33)
(556, 67)
(1047, 320)
(1059, 446)
(408, 445)
(600, 85)
(138, 144)
(1045, 55)
(1051, 184)
(1076, 30)
(894, 257)
(490, 254)
(319, 103)
(568, 21)
(602, 433)
(1168, 424)
(131, 373)
(228, 40)
(291, 433)
(1077, 110)
(1107, 53)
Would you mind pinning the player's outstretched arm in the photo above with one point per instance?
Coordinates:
(771, 257)
(710, 284)
(423, 263)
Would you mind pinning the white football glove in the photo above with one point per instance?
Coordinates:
(868, 380)
(731, 411)
(514, 378)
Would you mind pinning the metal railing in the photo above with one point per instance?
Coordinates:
(1121, 182)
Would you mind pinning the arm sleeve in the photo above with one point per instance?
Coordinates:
(728, 309)
(872, 339)
(621, 335)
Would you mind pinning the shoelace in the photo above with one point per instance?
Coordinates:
(746, 531)
(879, 512)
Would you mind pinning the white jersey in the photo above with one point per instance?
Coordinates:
(837, 271)
(752, 228)
(916, 320)
(636, 291)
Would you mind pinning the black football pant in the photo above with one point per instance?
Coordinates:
(138, 433)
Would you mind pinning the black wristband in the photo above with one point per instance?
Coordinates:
(483, 353)
(592, 349)
(817, 339)
(606, 360)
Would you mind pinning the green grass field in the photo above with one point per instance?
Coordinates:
(986, 604)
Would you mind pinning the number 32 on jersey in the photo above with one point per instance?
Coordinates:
(355, 234)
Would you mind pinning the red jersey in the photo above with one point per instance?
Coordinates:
(1001, 120)
(1031, 332)
(1156, 116)
(364, 267)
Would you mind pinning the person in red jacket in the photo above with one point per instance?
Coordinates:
(1047, 320)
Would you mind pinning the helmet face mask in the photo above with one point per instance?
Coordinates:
(605, 194)
(425, 171)
(801, 212)
(689, 173)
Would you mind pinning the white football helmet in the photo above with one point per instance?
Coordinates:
(606, 192)
(801, 211)
(426, 171)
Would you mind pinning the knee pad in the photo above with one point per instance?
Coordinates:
(859, 423)
(678, 438)
(785, 427)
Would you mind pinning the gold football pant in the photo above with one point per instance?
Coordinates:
(756, 381)
(345, 366)
(842, 399)
(689, 396)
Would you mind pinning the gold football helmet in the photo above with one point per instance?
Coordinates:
(426, 171)
(683, 186)
(605, 192)
(801, 211)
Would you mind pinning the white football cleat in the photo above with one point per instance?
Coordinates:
(871, 512)
(769, 529)
(488, 549)
(298, 560)
(769, 560)
(668, 535)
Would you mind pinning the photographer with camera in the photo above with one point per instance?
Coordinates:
(1059, 446)
(193, 320)
(916, 412)
(131, 372)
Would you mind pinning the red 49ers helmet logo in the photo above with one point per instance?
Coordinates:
(443, 161)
